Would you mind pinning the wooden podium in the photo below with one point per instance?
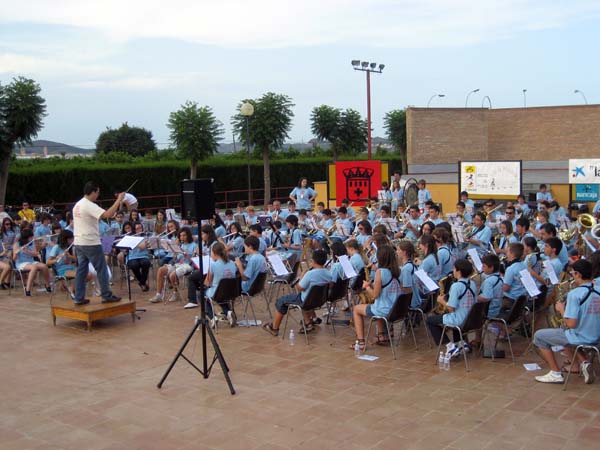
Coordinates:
(92, 311)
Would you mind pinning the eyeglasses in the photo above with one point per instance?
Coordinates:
(361, 228)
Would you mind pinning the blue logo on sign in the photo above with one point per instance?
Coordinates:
(578, 171)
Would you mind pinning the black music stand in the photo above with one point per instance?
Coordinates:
(202, 321)
(129, 281)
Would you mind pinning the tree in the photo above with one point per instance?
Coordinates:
(134, 141)
(352, 134)
(268, 128)
(394, 123)
(196, 133)
(324, 124)
(22, 110)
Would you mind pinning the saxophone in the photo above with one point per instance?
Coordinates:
(439, 308)
(555, 319)
(364, 296)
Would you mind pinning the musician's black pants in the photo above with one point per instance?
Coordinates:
(435, 323)
(140, 268)
(195, 279)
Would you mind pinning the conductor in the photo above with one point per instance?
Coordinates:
(86, 215)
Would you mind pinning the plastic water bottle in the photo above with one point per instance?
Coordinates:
(292, 338)
(441, 361)
(447, 361)
(357, 348)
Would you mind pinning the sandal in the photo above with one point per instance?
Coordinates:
(382, 339)
(268, 327)
(565, 369)
(308, 327)
(361, 345)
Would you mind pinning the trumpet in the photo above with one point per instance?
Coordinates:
(494, 209)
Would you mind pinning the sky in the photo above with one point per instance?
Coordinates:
(102, 63)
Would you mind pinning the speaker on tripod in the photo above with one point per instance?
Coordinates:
(198, 202)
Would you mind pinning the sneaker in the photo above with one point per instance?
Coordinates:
(231, 318)
(156, 299)
(268, 327)
(587, 371)
(112, 299)
(550, 377)
(97, 294)
(190, 305)
(175, 297)
(455, 352)
(212, 321)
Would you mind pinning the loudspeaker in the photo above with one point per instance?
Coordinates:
(197, 199)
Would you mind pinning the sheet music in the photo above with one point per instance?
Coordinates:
(277, 264)
(341, 229)
(476, 259)
(174, 248)
(348, 269)
(153, 243)
(130, 242)
(529, 283)
(390, 224)
(549, 269)
(429, 284)
(205, 263)
(170, 213)
(457, 232)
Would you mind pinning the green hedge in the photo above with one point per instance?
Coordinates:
(63, 180)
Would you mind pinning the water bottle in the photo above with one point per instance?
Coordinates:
(447, 361)
(292, 337)
(441, 361)
(357, 348)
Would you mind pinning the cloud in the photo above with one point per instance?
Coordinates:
(277, 23)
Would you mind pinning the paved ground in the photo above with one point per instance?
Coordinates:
(65, 388)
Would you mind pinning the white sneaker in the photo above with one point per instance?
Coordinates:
(156, 299)
(212, 322)
(231, 318)
(587, 371)
(190, 305)
(175, 297)
(550, 378)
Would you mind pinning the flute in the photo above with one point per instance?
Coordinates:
(63, 254)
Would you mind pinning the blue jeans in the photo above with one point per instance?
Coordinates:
(291, 299)
(91, 254)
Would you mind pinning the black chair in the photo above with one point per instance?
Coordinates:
(515, 314)
(277, 283)
(335, 293)
(425, 308)
(227, 291)
(474, 321)
(593, 348)
(315, 299)
(399, 311)
(257, 287)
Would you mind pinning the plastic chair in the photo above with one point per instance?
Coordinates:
(516, 313)
(400, 310)
(474, 321)
(591, 347)
(336, 293)
(227, 291)
(257, 287)
(315, 299)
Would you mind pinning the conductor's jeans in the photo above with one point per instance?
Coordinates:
(95, 255)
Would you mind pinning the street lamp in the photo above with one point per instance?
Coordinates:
(365, 66)
(524, 98)
(577, 91)
(434, 96)
(469, 94)
(247, 110)
(488, 99)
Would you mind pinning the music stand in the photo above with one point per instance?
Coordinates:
(201, 321)
(125, 244)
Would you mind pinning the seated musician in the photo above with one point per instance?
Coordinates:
(513, 288)
(294, 243)
(481, 237)
(364, 231)
(552, 248)
(180, 265)
(255, 263)
(491, 287)
(506, 237)
(343, 224)
(316, 276)
(220, 267)
(444, 255)
(117, 224)
(522, 207)
(276, 238)
(522, 229)
(44, 228)
(413, 225)
(337, 271)
(138, 260)
(63, 259)
(582, 320)
(458, 302)
(353, 248)
(511, 216)
(488, 209)
(461, 213)
(218, 225)
(24, 256)
(434, 214)
(251, 217)
(543, 218)
(291, 209)
(384, 218)
(160, 225)
(234, 244)
(350, 213)
(548, 231)
(256, 231)
(363, 214)
(469, 204)
(384, 289)
(385, 195)
(406, 253)
(318, 213)
(196, 278)
(228, 218)
(532, 259)
(127, 230)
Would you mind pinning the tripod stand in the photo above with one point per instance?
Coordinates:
(202, 322)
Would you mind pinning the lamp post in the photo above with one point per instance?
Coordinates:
(365, 66)
(469, 94)
(524, 98)
(434, 96)
(488, 99)
(577, 91)
(247, 110)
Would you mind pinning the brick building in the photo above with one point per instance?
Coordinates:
(543, 137)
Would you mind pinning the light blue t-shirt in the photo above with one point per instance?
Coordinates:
(390, 290)
(314, 277)
(188, 252)
(491, 289)
(446, 261)
(431, 267)
(503, 244)
(407, 273)
(586, 312)
(484, 235)
(61, 266)
(256, 264)
(220, 270)
(303, 197)
(422, 196)
(512, 278)
(337, 272)
(416, 223)
(220, 231)
(296, 239)
(357, 262)
(462, 297)
(42, 230)
(238, 246)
